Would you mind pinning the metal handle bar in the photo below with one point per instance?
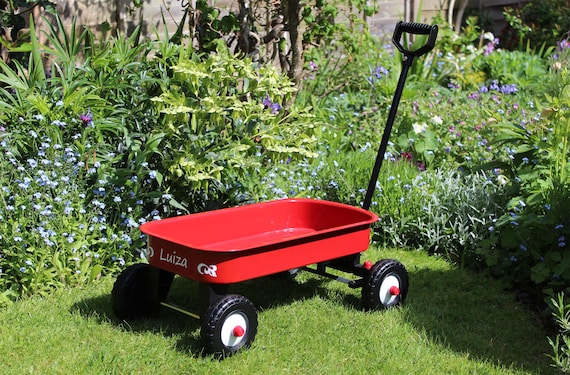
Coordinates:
(412, 28)
(415, 28)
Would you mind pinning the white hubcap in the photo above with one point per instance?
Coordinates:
(228, 336)
(387, 297)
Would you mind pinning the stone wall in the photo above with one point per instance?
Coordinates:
(121, 14)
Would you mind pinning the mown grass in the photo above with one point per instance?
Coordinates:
(454, 322)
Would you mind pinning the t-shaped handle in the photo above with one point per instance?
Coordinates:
(415, 28)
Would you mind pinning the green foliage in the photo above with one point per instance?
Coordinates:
(561, 344)
(132, 124)
(453, 128)
(221, 118)
(453, 56)
(49, 234)
(540, 23)
(338, 60)
(524, 70)
(14, 40)
(530, 245)
(212, 25)
(62, 144)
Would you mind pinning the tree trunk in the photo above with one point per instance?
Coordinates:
(296, 38)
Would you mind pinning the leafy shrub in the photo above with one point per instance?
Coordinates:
(221, 118)
(529, 247)
(13, 39)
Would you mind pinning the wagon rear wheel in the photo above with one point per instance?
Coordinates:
(386, 285)
(131, 296)
(229, 325)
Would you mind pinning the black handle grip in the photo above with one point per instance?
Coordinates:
(415, 28)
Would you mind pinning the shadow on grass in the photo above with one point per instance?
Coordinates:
(455, 309)
(470, 314)
(266, 293)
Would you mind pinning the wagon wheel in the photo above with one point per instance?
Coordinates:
(131, 296)
(289, 274)
(228, 325)
(386, 285)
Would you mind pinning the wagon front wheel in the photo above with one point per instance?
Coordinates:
(386, 285)
(229, 325)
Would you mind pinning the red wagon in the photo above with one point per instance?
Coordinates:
(227, 246)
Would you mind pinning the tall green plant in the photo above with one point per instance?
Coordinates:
(561, 344)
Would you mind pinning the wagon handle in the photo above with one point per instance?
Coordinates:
(412, 28)
(418, 29)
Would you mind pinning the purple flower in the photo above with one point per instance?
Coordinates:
(267, 103)
(86, 118)
(563, 44)
(275, 107)
(489, 48)
(508, 89)
(380, 72)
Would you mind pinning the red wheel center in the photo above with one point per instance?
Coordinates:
(238, 331)
(394, 290)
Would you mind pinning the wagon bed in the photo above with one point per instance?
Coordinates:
(235, 244)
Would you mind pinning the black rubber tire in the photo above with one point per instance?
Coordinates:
(383, 274)
(131, 296)
(219, 339)
(288, 275)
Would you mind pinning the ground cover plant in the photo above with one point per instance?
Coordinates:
(130, 130)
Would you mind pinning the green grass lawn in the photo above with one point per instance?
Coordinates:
(453, 322)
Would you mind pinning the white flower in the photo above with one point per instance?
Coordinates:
(489, 36)
(419, 128)
(437, 120)
(502, 180)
